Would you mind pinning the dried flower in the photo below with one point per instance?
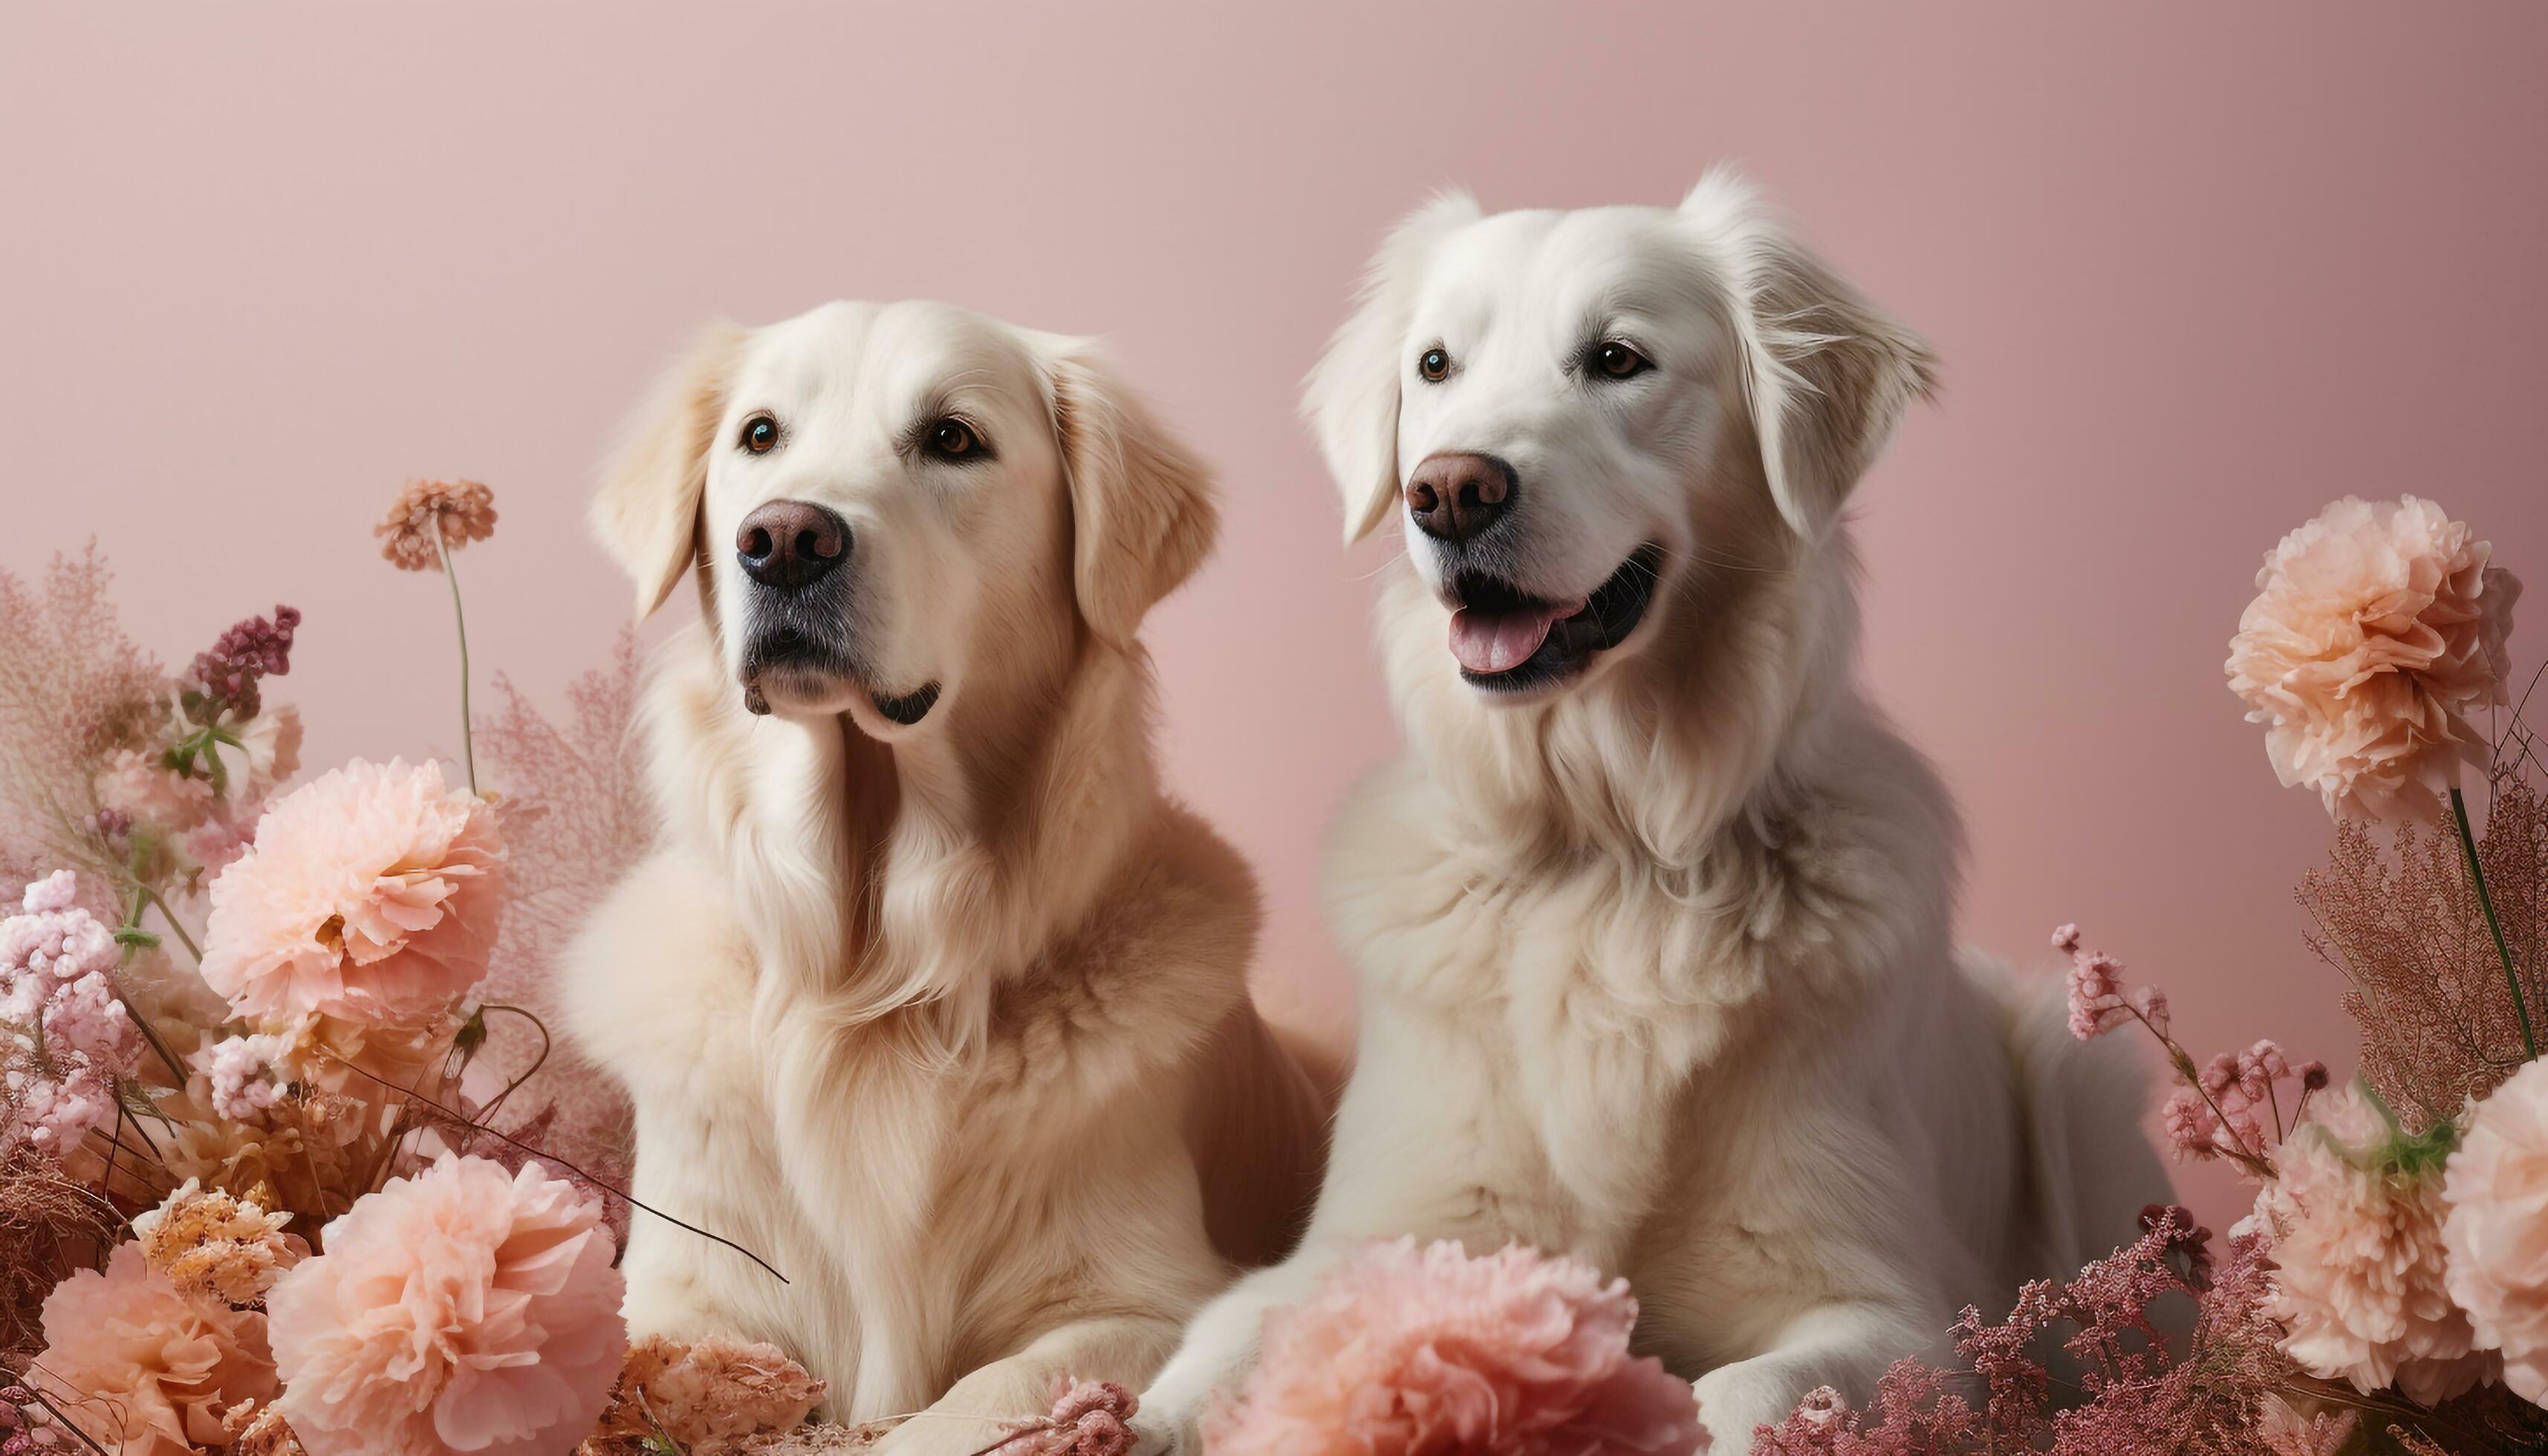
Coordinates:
(2399, 920)
(2496, 1230)
(2356, 1220)
(460, 1309)
(211, 1245)
(2375, 627)
(2287, 1433)
(2135, 1400)
(65, 1034)
(457, 512)
(261, 1431)
(227, 673)
(1402, 1348)
(712, 1396)
(143, 1369)
(1088, 1419)
(239, 1072)
(73, 689)
(576, 818)
(371, 895)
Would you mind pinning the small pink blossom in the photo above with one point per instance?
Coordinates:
(241, 1073)
(2377, 627)
(63, 1027)
(2192, 1130)
(2098, 1001)
(1088, 1419)
(1408, 1349)
(462, 1309)
(371, 895)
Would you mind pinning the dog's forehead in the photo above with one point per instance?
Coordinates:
(889, 353)
(1556, 264)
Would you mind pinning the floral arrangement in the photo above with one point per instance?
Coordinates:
(285, 1162)
(288, 1166)
(2388, 1290)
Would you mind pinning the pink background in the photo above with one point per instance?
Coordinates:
(2193, 269)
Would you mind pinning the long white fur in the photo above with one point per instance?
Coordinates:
(1657, 968)
(948, 1021)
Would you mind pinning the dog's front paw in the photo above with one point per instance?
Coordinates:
(1165, 1429)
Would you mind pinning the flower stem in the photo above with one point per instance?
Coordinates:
(175, 926)
(460, 621)
(133, 921)
(2495, 928)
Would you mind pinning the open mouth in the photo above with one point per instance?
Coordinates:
(1507, 640)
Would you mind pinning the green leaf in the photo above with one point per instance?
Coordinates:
(133, 934)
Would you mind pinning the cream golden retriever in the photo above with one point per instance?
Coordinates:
(1652, 919)
(929, 997)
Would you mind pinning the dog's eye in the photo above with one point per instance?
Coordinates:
(1616, 360)
(952, 439)
(1434, 365)
(759, 434)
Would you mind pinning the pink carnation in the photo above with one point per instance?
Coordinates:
(141, 1368)
(462, 1309)
(2497, 1231)
(1405, 1350)
(371, 895)
(2358, 1255)
(2376, 628)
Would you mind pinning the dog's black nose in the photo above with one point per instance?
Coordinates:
(790, 543)
(1453, 496)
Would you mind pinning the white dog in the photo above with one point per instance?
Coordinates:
(928, 997)
(1652, 921)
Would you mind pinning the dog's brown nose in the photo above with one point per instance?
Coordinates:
(790, 543)
(1454, 497)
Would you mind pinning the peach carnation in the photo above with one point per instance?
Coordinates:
(371, 895)
(143, 1369)
(2497, 1231)
(2376, 628)
(462, 1309)
(2357, 1245)
(1404, 1350)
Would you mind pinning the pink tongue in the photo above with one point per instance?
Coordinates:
(1498, 642)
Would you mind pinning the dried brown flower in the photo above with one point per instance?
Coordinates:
(256, 1431)
(213, 1245)
(2400, 919)
(49, 1227)
(459, 511)
(575, 817)
(73, 689)
(712, 1397)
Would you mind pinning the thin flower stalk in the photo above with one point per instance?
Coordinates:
(460, 624)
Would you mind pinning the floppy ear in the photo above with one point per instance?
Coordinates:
(1825, 373)
(1141, 509)
(1352, 398)
(647, 511)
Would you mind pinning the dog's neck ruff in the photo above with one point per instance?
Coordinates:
(906, 883)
